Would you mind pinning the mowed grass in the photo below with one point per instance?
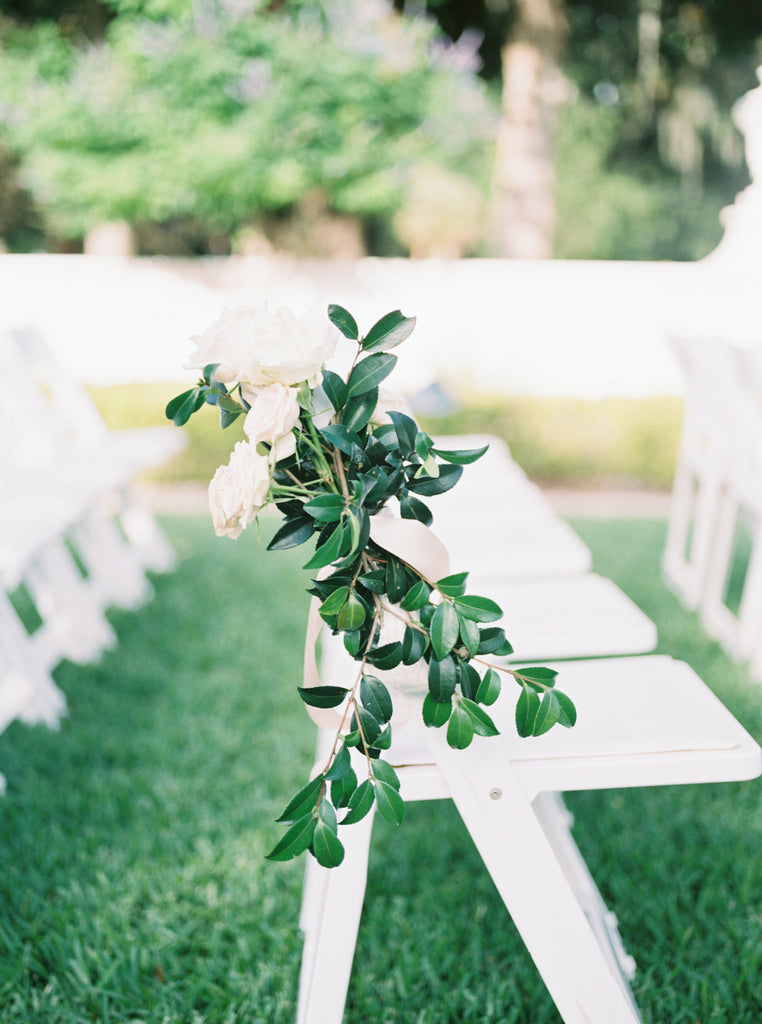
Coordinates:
(134, 886)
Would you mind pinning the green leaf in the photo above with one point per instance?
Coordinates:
(568, 712)
(360, 802)
(444, 630)
(388, 332)
(375, 581)
(468, 679)
(396, 580)
(428, 486)
(353, 642)
(369, 372)
(371, 727)
(412, 508)
(454, 585)
(334, 603)
(489, 688)
(327, 814)
(387, 656)
(460, 729)
(322, 696)
(538, 676)
(345, 322)
(548, 715)
(383, 770)
(383, 741)
(461, 458)
(304, 800)
(294, 531)
(423, 445)
(341, 437)
(335, 389)
(435, 713)
(228, 416)
(343, 788)
(442, 677)
(527, 707)
(492, 640)
(341, 764)
(326, 846)
(325, 507)
(327, 552)
(224, 401)
(358, 410)
(390, 804)
(480, 609)
(296, 840)
(469, 635)
(304, 397)
(414, 644)
(480, 720)
(352, 615)
(416, 597)
(181, 408)
(406, 430)
(376, 698)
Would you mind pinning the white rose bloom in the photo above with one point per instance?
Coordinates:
(238, 490)
(263, 346)
(273, 415)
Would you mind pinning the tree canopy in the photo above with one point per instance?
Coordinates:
(219, 113)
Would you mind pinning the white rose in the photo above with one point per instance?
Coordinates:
(238, 490)
(273, 415)
(261, 346)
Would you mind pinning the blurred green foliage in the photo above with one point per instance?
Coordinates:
(217, 116)
(579, 442)
(615, 210)
(198, 120)
(558, 441)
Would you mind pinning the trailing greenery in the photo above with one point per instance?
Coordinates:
(332, 458)
(134, 886)
(559, 441)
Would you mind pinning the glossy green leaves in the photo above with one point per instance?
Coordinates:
(348, 460)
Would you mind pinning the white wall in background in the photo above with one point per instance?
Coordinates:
(576, 328)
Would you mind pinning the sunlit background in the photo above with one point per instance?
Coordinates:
(228, 145)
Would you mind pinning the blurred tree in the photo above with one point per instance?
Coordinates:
(86, 17)
(523, 179)
(669, 70)
(216, 114)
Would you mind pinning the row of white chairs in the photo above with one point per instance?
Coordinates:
(73, 540)
(507, 789)
(713, 552)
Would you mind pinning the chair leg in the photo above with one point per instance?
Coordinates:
(556, 820)
(533, 885)
(330, 918)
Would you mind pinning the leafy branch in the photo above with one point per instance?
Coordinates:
(340, 474)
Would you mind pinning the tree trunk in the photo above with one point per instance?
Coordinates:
(522, 214)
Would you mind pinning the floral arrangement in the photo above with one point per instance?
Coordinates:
(336, 461)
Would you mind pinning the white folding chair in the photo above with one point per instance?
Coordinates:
(706, 447)
(642, 721)
(736, 619)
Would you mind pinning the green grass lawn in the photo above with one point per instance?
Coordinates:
(134, 886)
